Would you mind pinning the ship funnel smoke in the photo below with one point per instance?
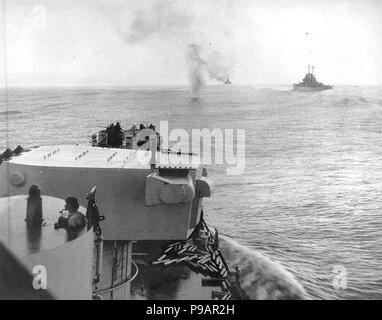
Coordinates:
(260, 277)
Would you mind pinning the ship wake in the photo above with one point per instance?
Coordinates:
(260, 277)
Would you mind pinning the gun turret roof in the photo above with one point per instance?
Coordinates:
(96, 157)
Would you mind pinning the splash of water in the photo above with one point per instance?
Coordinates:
(261, 278)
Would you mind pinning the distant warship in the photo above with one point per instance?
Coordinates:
(309, 83)
(228, 81)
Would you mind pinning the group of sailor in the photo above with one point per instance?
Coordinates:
(115, 135)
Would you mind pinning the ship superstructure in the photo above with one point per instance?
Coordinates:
(310, 83)
(153, 215)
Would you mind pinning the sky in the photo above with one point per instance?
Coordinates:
(135, 42)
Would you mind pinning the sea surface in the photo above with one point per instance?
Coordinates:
(309, 201)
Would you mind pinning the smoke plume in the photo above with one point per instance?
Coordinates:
(164, 18)
(195, 63)
(178, 25)
(216, 66)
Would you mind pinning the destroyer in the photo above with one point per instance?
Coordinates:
(309, 83)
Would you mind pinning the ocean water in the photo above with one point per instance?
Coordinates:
(309, 203)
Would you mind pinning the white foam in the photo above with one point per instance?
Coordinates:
(261, 278)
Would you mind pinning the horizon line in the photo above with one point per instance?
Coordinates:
(119, 85)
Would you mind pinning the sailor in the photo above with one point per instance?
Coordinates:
(112, 135)
(75, 220)
(118, 136)
(94, 140)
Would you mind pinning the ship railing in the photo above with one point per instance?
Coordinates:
(120, 285)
